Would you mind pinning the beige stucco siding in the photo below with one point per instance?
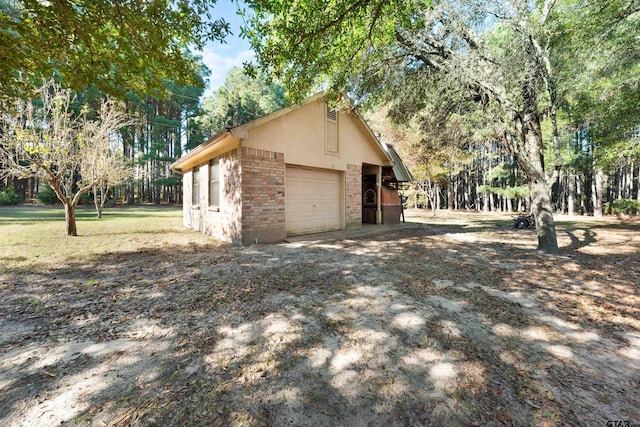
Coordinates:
(359, 146)
(300, 136)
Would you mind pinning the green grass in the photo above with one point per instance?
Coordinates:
(35, 236)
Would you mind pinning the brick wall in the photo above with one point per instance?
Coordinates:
(187, 185)
(353, 196)
(263, 180)
(225, 222)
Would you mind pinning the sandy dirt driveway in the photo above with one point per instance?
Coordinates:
(447, 321)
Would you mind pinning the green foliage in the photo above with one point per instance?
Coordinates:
(159, 137)
(519, 192)
(241, 99)
(485, 189)
(501, 172)
(599, 62)
(102, 44)
(622, 206)
(169, 181)
(9, 197)
(162, 109)
(47, 196)
(310, 44)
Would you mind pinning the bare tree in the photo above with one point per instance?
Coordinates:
(51, 139)
(104, 165)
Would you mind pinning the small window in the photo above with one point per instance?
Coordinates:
(214, 182)
(196, 187)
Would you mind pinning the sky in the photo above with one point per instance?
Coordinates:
(221, 57)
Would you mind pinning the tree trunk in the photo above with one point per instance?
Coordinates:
(629, 182)
(467, 191)
(596, 193)
(70, 218)
(543, 212)
(562, 193)
(97, 203)
(581, 193)
(571, 197)
(532, 162)
(621, 183)
(638, 187)
(485, 201)
(456, 194)
(430, 196)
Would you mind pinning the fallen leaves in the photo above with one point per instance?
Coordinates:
(493, 356)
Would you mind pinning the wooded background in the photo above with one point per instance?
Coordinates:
(589, 106)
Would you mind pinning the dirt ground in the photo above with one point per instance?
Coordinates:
(453, 320)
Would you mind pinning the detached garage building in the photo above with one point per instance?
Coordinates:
(298, 170)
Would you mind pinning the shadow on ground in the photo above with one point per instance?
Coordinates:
(413, 326)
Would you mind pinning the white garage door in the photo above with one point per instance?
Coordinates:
(312, 201)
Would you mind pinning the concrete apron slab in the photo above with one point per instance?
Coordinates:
(366, 230)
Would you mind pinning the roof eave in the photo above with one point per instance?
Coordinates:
(187, 160)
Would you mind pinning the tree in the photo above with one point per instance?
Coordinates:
(241, 99)
(429, 171)
(105, 166)
(111, 45)
(163, 127)
(56, 140)
(602, 98)
(493, 53)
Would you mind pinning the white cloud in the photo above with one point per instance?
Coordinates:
(221, 59)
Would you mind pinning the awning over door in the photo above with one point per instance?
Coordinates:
(312, 201)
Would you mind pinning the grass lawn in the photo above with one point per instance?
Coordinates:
(452, 320)
(35, 236)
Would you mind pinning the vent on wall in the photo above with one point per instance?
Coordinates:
(331, 132)
(331, 114)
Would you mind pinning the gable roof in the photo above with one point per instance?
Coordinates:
(242, 131)
(230, 137)
(400, 171)
(219, 143)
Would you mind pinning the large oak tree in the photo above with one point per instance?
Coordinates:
(498, 54)
(112, 45)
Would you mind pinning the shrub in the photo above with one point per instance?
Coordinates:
(9, 197)
(47, 196)
(622, 207)
(85, 199)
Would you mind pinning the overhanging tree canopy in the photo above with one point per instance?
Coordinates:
(500, 55)
(367, 45)
(108, 44)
